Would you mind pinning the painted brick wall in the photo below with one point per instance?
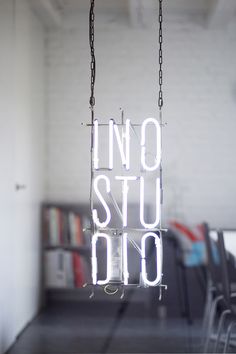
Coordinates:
(199, 146)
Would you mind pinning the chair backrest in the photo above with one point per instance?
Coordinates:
(224, 268)
(212, 265)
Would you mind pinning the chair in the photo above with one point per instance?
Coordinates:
(214, 288)
(190, 260)
(228, 295)
(222, 291)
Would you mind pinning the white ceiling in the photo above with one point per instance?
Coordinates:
(100, 5)
(216, 9)
(216, 12)
(174, 6)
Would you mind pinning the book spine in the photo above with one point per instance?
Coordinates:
(55, 275)
(78, 271)
(79, 232)
(72, 228)
(60, 227)
(46, 230)
(68, 261)
(53, 226)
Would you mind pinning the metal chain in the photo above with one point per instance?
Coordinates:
(160, 98)
(92, 103)
(93, 60)
(160, 95)
(160, 104)
(92, 51)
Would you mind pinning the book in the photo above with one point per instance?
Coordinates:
(75, 230)
(79, 231)
(85, 263)
(55, 276)
(60, 227)
(68, 269)
(54, 226)
(79, 279)
(65, 229)
(59, 271)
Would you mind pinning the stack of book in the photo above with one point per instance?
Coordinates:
(65, 269)
(62, 228)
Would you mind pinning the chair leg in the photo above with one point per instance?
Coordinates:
(220, 328)
(228, 335)
(209, 301)
(186, 296)
(211, 322)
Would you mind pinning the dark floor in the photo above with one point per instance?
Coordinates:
(86, 327)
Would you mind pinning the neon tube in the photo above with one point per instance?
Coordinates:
(143, 143)
(95, 144)
(158, 259)
(127, 138)
(111, 142)
(125, 157)
(125, 259)
(94, 259)
(125, 190)
(156, 222)
(102, 200)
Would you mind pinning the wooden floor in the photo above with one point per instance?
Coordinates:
(101, 327)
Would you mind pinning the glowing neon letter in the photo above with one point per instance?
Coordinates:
(125, 259)
(143, 142)
(111, 141)
(125, 190)
(158, 259)
(102, 200)
(94, 259)
(95, 144)
(125, 156)
(149, 226)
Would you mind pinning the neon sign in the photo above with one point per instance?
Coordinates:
(148, 167)
(116, 240)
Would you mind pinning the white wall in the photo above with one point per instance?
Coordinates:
(200, 101)
(6, 175)
(21, 158)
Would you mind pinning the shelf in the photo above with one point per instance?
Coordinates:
(80, 249)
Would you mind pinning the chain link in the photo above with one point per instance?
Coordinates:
(92, 51)
(160, 98)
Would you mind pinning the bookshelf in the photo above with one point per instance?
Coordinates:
(83, 250)
(70, 292)
(66, 247)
